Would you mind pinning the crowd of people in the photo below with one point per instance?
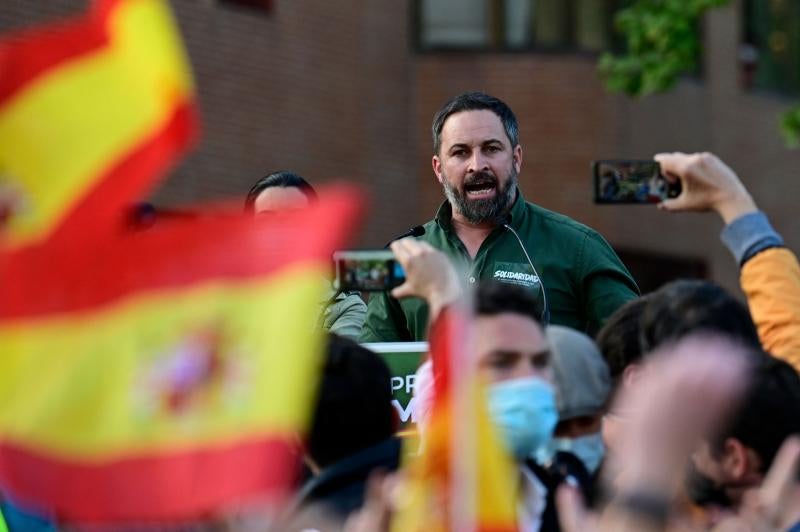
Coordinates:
(674, 410)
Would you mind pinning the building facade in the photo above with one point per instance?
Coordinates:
(347, 89)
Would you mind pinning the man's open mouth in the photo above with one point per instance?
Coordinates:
(481, 189)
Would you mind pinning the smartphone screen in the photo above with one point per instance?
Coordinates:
(631, 181)
(367, 271)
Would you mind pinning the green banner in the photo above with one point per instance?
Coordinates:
(403, 359)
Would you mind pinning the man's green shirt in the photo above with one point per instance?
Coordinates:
(583, 278)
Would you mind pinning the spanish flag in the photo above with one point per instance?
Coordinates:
(163, 374)
(92, 111)
(463, 479)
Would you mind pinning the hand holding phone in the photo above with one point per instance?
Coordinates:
(626, 181)
(708, 185)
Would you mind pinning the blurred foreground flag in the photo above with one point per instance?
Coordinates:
(164, 374)
(463, 480)
(92, 111)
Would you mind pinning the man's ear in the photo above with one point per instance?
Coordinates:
(631, 374)
(518, 158)
(437, 168)
(737, 460)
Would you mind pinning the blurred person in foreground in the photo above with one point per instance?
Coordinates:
(770, 273)
(685, 393)
(352, 433)
(343, 313)
(735, 460)
(583, 384)
(513, 355)
(477, 159)
(707, 402)
(675, 310)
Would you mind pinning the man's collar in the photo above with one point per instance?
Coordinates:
(444, 215)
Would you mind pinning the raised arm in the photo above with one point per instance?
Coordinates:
(770, 273)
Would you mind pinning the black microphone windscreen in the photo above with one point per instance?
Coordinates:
(417, 230)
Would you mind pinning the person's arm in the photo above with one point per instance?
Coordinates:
(771, 281)
(770, 274)
(347, 316)
(606, 283)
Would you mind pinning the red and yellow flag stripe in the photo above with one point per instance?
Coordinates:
(463, 479)
(92, 111)
(164, 374)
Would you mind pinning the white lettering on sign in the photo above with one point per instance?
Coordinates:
(409, 412)
(516, 276)
(408, 382)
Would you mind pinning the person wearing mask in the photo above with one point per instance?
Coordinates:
(513, 355)
(583, 384)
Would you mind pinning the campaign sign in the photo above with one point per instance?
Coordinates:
(403, 359)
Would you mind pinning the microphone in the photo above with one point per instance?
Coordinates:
(417, 230)
(506, 222)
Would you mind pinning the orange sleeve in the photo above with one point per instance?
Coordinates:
(771, 282)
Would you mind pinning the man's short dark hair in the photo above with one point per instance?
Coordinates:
(685, 306)
(475, 101)
(281, 179)
(618, 340)
(353, 410)
(768, 413)
(495, 297)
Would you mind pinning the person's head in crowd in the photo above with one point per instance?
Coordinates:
(618, 340)
(353, 409)
(477, 156)
(279, 191)
(583, 385)
(686, 306)
(736, 459)
(673, 311)
(513, 353)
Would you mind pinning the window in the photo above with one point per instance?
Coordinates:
(507, 25)
(770, 53)
(253, 5)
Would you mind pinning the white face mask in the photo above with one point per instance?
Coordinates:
(590, 449)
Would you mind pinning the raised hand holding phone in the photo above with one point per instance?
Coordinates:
(708, 184)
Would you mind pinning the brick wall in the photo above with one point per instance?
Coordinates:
(334, 90)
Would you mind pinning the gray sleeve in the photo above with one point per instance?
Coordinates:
(748, 235)
(347, 317)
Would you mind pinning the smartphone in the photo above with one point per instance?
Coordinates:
(367, 271)
(631, 181)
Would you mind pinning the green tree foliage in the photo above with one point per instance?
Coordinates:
(790, 126)
(661, 44)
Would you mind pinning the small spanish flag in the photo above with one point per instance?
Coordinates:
(92, 111)
(163, 374)
(463, 479)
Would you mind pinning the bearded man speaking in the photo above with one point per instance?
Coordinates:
(488, 230)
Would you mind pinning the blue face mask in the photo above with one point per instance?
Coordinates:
(590, 449)
(524, 410)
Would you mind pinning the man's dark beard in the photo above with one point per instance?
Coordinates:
(485, 210)
(702, 490)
